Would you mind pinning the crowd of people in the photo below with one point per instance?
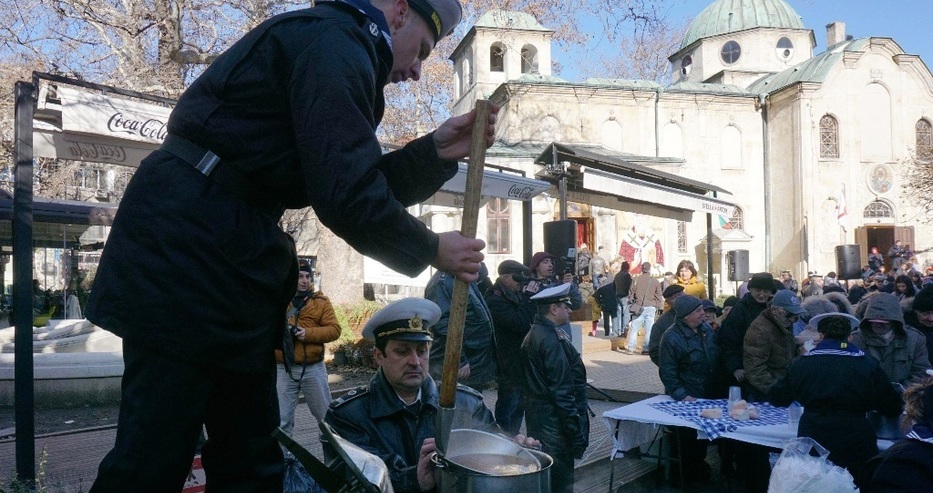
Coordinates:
(845, 352)
(839, 354)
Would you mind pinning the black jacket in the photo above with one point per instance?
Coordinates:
(664, 322)
(375, 419)
(478, 333)
(837, 386)
(732, 332)
(293, 106)
(512, 315)
(555, 390)
(606, 296)
(689, 362)
(905, 467)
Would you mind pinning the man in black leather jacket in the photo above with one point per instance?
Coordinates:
(555, 400)
(285, 118)
(394, 418)
(513, 314)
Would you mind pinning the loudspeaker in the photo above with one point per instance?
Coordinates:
(738, 265)
(848, 262)
(560, 240)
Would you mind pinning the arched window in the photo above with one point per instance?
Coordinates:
(497, 58)
(549, 130)
(784, 49)
(829, 137)
(612, 135)
(672, 141)
(731, 148)
(878, 210)
(924, 140)
(529, 59)
(685, 65)
(876, 122)
(498, 232)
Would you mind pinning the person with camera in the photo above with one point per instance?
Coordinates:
(543, 268)
(312, 322)
(512, 315)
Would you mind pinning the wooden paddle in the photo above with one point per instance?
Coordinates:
(459, 298)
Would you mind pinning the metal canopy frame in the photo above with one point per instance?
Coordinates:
(565, 165)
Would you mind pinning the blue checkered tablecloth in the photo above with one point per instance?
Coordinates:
(714, 428)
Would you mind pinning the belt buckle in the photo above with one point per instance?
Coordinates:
(207, 163)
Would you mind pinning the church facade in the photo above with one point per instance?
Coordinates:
(811, 147)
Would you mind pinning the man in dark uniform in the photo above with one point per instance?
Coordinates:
(285, 118)
(555, 386)
(394, 418)
(512, 314)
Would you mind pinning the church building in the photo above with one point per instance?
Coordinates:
(809, 149)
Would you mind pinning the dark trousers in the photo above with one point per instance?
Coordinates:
(607, 322)
(562, 473)
(163, 405)
(509, 408)
(692, 453)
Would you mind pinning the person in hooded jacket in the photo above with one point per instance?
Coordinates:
(837, 384)
(900, 349)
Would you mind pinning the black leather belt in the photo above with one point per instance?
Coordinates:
(231, 180)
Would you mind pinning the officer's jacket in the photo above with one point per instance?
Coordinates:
(202, 274)
(555, 388)
(376, 419)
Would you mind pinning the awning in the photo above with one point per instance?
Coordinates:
(496, 184)
(606, 178)
(57, 223)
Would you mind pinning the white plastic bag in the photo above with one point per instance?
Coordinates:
(796, 471)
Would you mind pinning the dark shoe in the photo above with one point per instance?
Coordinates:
(644, 353)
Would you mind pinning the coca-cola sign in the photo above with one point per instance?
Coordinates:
(148, 129)
(98, 153)
(520, 192)
(97, 114)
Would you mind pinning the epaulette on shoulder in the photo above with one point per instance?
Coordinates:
(349, 396)
(469, 390)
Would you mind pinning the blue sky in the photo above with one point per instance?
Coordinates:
(905, 21)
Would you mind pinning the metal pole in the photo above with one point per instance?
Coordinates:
(709, 255)
(527, 227)
(22, 285)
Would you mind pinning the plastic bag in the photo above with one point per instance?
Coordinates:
(797, 471)
(297, 479)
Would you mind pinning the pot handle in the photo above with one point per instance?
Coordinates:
(439, 462)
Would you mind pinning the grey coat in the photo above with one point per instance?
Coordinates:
(904, 359)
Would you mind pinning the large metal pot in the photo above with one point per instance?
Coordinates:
(477, 461)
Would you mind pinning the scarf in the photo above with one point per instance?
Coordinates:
(835, 347)
(922, 432)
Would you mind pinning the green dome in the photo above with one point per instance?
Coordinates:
(746, 14)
